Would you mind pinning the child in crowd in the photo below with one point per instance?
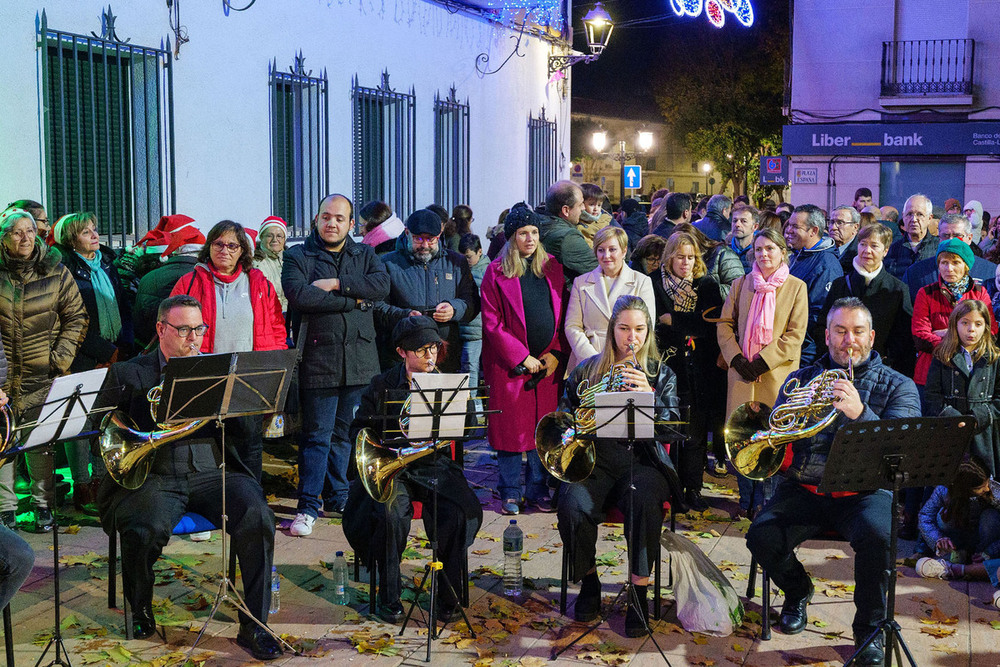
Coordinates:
(961, 524)
(962, 378)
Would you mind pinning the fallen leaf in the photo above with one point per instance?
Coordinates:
(701, 660)
(481, 552)
(700, 639)
(946, 648)
(820, 624)
(938, 632)
(71, 530)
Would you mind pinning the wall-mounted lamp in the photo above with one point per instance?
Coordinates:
(598, 26)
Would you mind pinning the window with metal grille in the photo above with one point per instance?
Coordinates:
(451, 151)
(107, 129)
(300, 151)
(542, 157)
(383, 127)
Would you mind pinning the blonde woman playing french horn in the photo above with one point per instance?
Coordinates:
(582, 505)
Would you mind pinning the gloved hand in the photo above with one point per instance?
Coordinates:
(758, 366)
(742, 366)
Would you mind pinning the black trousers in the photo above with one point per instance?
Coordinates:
(794, 515)
(145, 519)
(390, 528)
(245, 436)
(583, 506)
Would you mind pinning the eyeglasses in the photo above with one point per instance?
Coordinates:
(427, 350)
(838, 223)
(221, 246)
(185, 331)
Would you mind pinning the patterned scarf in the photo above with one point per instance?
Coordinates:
(958, 288)
(681, 291)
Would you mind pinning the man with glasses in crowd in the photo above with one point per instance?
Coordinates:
(185, 476)
(331, 283)
(427, 279)
(378, 531)
(845, 221)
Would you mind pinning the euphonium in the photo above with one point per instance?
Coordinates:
(127, 452)
(757, 447)
(565, 456)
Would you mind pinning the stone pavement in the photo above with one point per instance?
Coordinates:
(944, 623)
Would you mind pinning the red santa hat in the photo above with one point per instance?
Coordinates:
(252, 234)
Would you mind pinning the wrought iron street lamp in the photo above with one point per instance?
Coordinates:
(598, 26)
(599, 140)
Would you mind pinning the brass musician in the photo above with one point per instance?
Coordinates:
(377, 529)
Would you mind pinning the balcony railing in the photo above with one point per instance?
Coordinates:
(928, 67)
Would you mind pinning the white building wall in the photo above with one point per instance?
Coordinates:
(221, 92)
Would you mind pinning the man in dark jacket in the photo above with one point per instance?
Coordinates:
(744, 221)
(925, 272)
(427, 279)
(917, 242)
(635, 224)
(676, 208)
(185, 476)
(331, 283)
(378, 530)
(815, 263)
(797, 512)
(558, 232)
(845, 222)
(715, 224)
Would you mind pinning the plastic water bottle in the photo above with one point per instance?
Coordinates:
(513, 544)
(340, 580)
(275, 590)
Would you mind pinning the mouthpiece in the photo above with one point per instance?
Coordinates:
(192, 346)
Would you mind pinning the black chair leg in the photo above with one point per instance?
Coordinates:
(564, 583)
(752, 584)
(656, 583)
(765, 626)
(8, 636)
(112, 569)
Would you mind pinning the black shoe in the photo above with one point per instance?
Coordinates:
(637, 620)
(588, 602)
(793, 614)
(334, 509)
(447, 612)
(694, 501)
(390, 612)
(143, 624)
(42, 523)
(717, 469)
(9, 519)
(874, 653)
(261, 645)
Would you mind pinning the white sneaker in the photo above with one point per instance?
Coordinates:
(933, 568)
(996, 599)
(203, 536)
(302, 525)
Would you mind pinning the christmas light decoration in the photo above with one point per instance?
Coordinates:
(715, 10)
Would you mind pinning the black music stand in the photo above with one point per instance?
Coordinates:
(612, 419)
(431, 410)
(63, 416)
(895, 454)
(218, 387)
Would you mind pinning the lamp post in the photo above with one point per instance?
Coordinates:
(707, 168)
(597, 24)
(599, 140)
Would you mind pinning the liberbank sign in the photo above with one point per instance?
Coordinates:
(979, 138)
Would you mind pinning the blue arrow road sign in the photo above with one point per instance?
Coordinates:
(633, 176)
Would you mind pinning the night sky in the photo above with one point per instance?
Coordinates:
(639, 58)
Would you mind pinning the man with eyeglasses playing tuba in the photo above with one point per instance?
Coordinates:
(798, 512)
(185, 476)
(377, 531)
(630, 361)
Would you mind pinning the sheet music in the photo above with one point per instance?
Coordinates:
(62, 388)
(608, 404)
(453, 408)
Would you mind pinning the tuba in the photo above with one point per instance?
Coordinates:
(127, 452)
(756, 439)
(564, 455)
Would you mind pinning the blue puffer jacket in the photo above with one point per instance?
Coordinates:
(714, 225)
(886, 394)
(817, 267)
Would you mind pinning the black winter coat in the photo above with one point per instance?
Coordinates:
(153, 288)
(955, 389)
(339, 337)
(96, 350)
(888, 299)
(724, 266)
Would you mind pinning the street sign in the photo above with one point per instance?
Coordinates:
(633, 176)
(805, 175)
(773, 170)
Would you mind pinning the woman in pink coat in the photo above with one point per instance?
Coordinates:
(523, 307)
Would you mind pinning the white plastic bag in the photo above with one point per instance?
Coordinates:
(706, 601)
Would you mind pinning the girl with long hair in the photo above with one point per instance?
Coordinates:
(582, 505)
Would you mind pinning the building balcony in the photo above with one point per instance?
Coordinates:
(928, 72)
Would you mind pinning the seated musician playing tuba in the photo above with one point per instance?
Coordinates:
(582, 505)
(797, 512)
(377, 531)
(185, 476)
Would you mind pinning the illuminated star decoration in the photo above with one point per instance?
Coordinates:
(715, 10)
(540, 12)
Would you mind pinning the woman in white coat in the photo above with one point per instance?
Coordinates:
(594, 295)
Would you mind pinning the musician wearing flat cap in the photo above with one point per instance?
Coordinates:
(798, 512)
(377, 531)
(630, 360)
(185, 476)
